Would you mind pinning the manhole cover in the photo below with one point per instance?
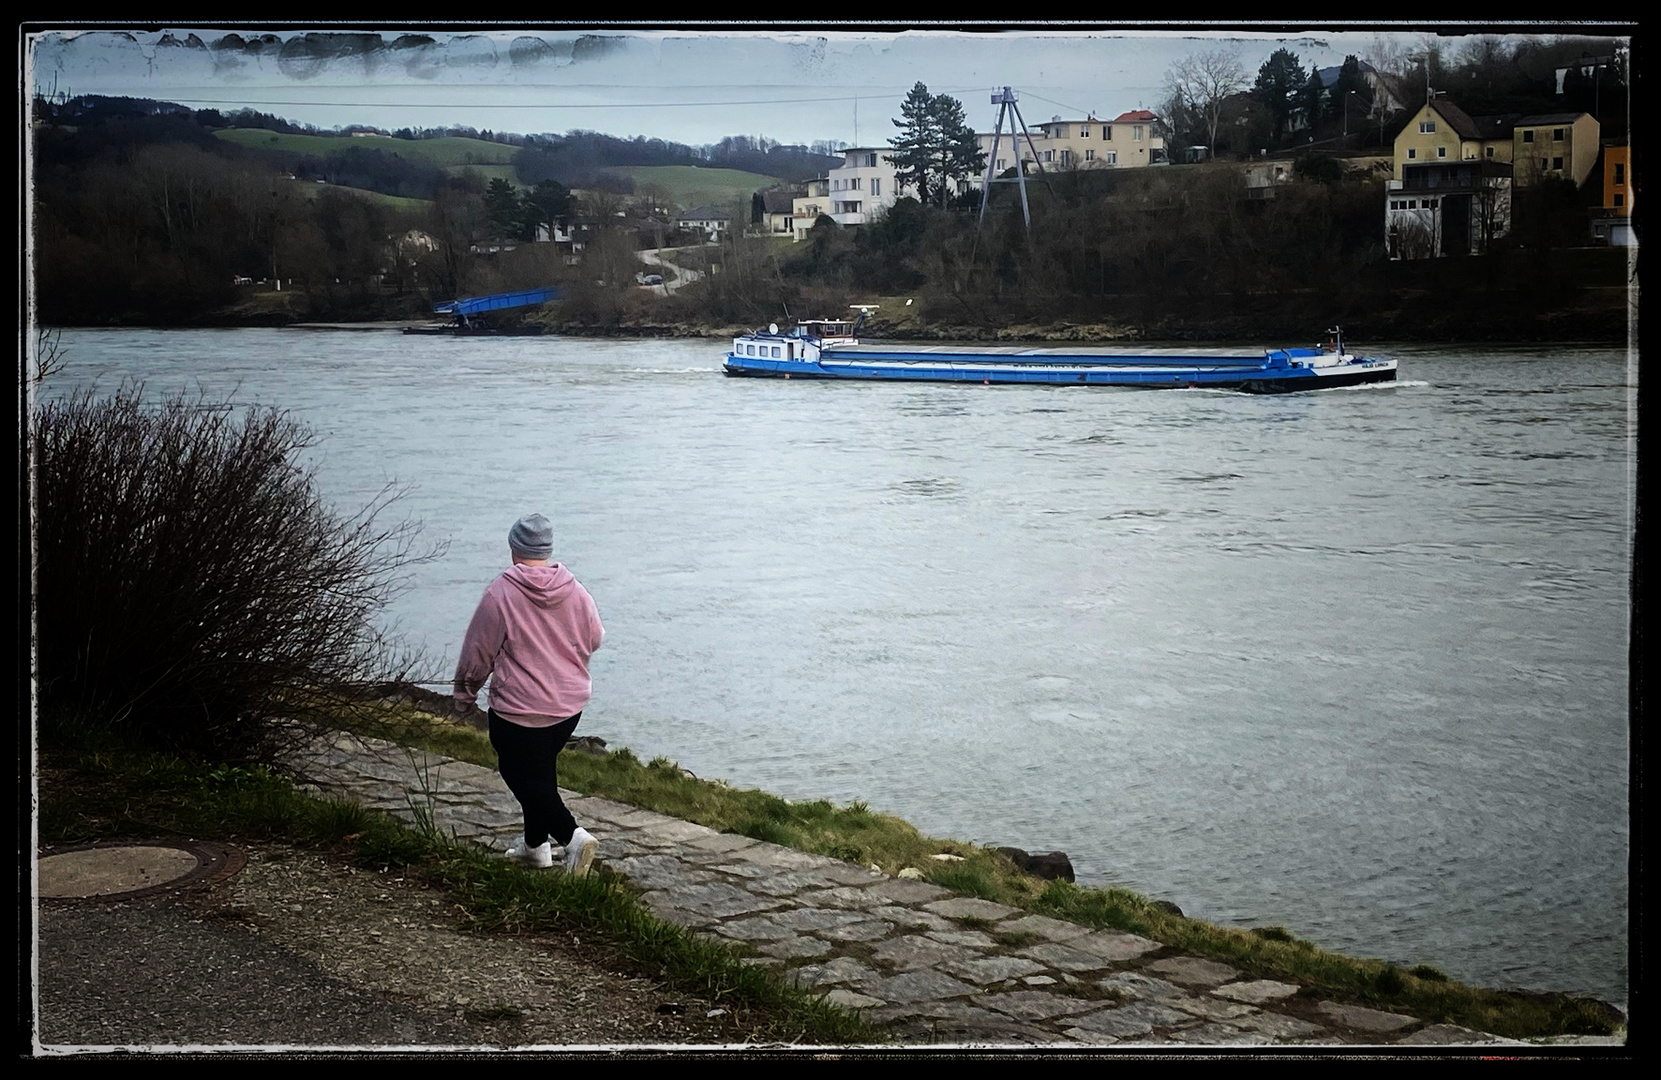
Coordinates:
(122, 870)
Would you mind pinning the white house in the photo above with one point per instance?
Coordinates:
(863, 187)
(712, 221)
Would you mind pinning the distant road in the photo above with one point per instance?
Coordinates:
(673, 276)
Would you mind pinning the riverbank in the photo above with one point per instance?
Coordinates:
(919, 961)
(859, 837)
(1432, 304)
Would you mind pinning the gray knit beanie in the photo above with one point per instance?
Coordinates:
(532, 537)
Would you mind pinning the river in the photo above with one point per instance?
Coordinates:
(1354, 662)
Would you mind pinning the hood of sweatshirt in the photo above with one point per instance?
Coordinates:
(544, 586)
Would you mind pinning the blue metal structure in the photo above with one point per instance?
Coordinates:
(477, 305)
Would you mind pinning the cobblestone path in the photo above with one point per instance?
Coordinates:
(910, 955)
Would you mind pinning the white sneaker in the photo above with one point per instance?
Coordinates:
(537, 858)
(580, 852)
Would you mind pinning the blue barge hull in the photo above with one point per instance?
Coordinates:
(1274, 371)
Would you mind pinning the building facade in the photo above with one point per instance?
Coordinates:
(863, 187)
(1439, 209)
(805, 209)
(1130, 140)
(1538, 146)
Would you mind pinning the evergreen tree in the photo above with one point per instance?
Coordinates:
(545, 204)
(914, 146)
(1279, 86)
(1313, 99)
(936, 145)
(501, 210)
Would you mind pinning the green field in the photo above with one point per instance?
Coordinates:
(444, 152)
(692, 185)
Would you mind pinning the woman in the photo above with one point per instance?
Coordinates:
(532, 635)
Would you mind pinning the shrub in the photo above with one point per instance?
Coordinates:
(192, 586)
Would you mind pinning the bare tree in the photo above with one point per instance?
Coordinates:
(48, 354)
(1201, 82)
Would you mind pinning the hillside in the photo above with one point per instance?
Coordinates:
(692, 185)
(443, 152)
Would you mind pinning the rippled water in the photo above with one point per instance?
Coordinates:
(1353, 662)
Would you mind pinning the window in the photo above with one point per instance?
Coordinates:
(1557, 163)
(1111, 157)
(1620, 173)
(1427, 127)
(1441, 151)
(1412, 204)
(853, 184)
(870, 161)
(1107, 132)
(876, 185)
(1066, 157)
(1049, 155)
(1412, 154)
(1136, 133)
(1003, 163)
(1620, 200)
(1090, 155)
(1556, 134)
(1528, 136)
(1488, 151)
(1084, 131)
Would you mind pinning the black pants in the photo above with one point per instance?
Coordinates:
(525, 757)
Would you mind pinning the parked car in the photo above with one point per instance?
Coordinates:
(649, 279)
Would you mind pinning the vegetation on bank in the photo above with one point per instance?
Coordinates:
(161, 220)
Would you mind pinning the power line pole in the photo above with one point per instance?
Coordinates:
(1005, 100)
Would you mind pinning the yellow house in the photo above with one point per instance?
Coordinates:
(1130, 140)
(1553, 144)
(805, 209)
(1441, 132)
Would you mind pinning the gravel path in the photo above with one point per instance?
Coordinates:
(298, 951)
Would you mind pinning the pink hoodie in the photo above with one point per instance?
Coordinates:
(531, 636)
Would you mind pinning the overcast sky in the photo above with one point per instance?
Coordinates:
(794, 85)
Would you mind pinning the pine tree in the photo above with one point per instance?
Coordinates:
(936, 145)
(914, 147)
(1279, 85)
